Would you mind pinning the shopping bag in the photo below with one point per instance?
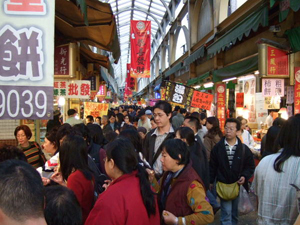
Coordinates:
(245, 206)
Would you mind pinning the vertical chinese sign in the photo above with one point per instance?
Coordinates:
(297, 91)
(26, 59)
(277, 62)
(221, 103)
(140, 35)
(61, 60)
(272, 90)
(239, 100)
(127, 91)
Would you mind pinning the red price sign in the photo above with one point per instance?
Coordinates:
(239, 101)
(202, 100)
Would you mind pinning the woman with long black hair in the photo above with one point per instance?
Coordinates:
(277, 199)
(75, 172)
(128, 199)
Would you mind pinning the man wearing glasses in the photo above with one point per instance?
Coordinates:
(229, 163)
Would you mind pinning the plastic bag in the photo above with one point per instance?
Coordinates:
(245, 206)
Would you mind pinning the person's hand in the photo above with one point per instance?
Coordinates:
(241, 181)
(45, 181)
(57, 177)
(169, 218)
(151, 174)
(106, 184)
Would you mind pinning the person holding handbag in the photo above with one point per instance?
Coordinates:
(231, 164)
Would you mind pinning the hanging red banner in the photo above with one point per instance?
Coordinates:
(102, 90)
(278, 62)
(239, 100)
(128, 90)
(221, 103)
(202, 100)
(297, 91)
(140, 35)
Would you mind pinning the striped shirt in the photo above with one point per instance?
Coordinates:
(230, 150)
(32, 153)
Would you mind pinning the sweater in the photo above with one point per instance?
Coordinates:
(122, 204)
(84, 191)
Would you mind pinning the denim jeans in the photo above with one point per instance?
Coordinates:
(229, 212)
(212, 199)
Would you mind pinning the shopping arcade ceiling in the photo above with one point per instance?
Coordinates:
(126, 10)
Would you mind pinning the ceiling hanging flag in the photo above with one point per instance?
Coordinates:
(140, 34)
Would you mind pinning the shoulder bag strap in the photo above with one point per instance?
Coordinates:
(242, 161)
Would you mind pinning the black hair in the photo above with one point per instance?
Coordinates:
(71, 112)
(62, 206)
(233, 120)
(289, 140)
(83, 131)
(90, 118)
(164, 106)
(51, 136)
(271, 145)
(186, 133)
(176, 108)
(182, 110)
(125, 158)
(11, 152)
(62, 131)
(176, 147)
(279, 122)
(203, 116)
(73, 155)
(134, 137)
(194, 121)
(110, 136)
(120, 118)
(215, 130)
(197, 116)
(21, 195)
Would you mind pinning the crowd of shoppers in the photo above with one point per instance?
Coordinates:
(106, 170)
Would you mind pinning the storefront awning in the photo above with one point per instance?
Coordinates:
(294, 38)
(174, 69)
(198, 79)
(283, 12)
(101, 30)
(250, 23)
(237, 69)
(92, 57)
(194, 56)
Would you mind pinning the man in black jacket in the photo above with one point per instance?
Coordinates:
(230, 161)
(153, 140)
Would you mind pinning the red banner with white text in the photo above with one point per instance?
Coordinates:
(297, 91)
(127, 91)
(140, 35)
(221, 104)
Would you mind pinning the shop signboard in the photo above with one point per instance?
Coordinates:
(178, 93)
(239, 100)
(73, 89)
(93, 83)
(277, 62)
(261, 112)
(272, 102)
(273, 87)
(95, 109)
(202, 100)
(102, 90)
(140, 36)
(26, 59)
(249, 98)
(62, 60)
(289, 94)
(221, 103)
(297, 91)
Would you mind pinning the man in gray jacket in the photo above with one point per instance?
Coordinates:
(177, 120)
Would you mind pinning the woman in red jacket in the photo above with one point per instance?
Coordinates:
(75, 171)
(129, 199)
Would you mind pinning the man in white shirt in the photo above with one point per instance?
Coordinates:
(144, 121)
(269, 120)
